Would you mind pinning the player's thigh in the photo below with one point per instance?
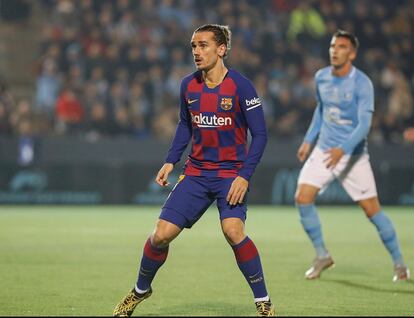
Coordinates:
(221, 189)
(358, 178)
(314, 171)
(306, 193)
(187, 202)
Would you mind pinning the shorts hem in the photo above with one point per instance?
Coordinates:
(233, 215)
(314, 184)
(180, 220)
(364, 197)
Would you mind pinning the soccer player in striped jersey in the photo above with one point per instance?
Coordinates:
(218, 106)
(340, 126)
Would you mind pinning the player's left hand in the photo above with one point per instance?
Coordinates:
(162, 176)
(237, 191)
(335, 154)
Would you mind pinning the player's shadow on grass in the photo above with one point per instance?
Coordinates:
(372, 288)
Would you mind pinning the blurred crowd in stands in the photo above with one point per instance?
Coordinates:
(114, 67)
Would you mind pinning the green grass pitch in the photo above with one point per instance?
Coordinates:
(80, 261)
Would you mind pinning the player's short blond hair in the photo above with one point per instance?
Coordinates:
(222, 34)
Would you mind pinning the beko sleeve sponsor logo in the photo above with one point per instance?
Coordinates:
(253, 103)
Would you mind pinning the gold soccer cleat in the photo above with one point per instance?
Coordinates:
(126, 307)
(265, 309)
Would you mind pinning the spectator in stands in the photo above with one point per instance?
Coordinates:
(48, 84)
(164, 124)
(98, 123)
(123, 125)
(70, 113)
(21, 112)
(306, 24)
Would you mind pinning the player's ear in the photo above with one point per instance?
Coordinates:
(221, 50)
(353, 54)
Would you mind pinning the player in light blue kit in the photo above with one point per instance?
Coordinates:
(340, 126)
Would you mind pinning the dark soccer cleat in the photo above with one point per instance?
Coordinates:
(318, 266)
(126, 307)
(401, 273)
(265, 309)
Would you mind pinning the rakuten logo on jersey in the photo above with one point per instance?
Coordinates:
(210, 121)
(253, 103)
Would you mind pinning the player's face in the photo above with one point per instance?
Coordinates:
(205, 50)
(341, 52)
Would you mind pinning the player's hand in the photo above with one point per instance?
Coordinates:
(303, 151)
(335, 154)
(237, 191)
(162, 176)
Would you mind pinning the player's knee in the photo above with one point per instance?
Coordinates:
(160, 239)
(301, 198)
(233, 235)
(370, 206)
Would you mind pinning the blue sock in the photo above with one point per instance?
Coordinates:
(388, 236)
(152, 259)
(248, 260)
(312, 226)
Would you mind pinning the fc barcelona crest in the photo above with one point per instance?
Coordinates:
(226, 103)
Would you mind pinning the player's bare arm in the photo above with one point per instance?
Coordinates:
(303, 151)
(335, 154)
(237, 191)
(163, 173)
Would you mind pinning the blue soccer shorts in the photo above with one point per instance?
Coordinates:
(193, 195)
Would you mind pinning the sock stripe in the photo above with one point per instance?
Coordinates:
(156, 254)
(246, 251)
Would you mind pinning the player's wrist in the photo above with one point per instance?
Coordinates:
(344, 149)
(307, 142)
(244, 176)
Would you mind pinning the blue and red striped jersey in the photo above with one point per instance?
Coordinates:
(217, 121)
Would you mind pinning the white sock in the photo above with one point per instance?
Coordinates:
(262, 299)
(140, 291)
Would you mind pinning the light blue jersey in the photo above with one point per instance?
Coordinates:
(344, 111)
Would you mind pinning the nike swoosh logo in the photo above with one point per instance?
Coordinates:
(144, 272)
(254, 275)
(190, 101)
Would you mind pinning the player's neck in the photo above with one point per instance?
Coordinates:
(215, 75)
(343, 70)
